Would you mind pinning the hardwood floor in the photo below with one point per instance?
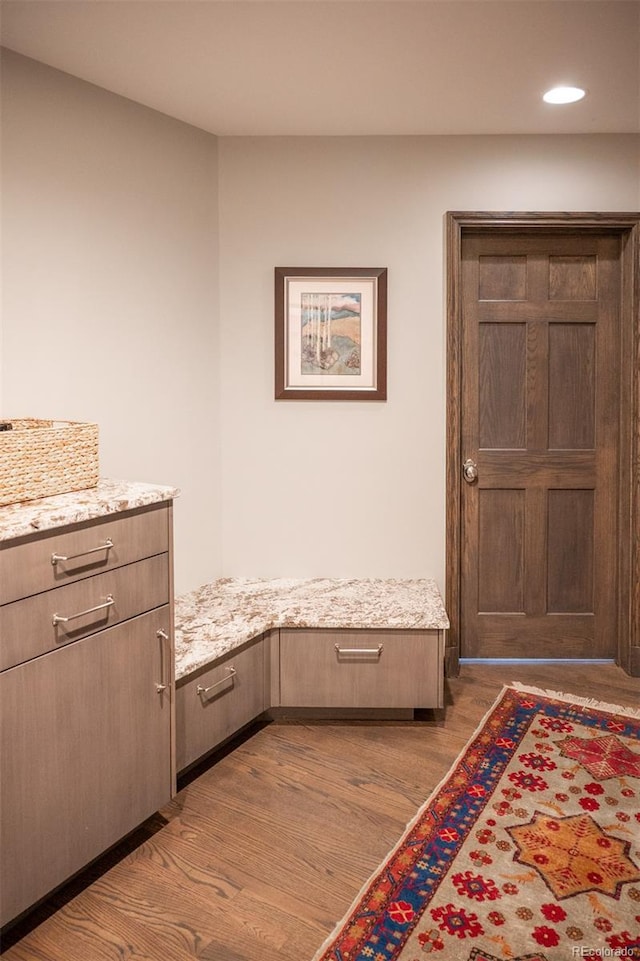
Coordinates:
(263, 850)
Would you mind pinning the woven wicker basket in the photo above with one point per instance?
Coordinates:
(41, 458)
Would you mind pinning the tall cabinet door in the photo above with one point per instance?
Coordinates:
(86, 753)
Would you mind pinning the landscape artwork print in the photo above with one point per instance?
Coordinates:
(330, 333)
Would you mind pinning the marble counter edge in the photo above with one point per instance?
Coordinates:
(76, 507)
(212, 633)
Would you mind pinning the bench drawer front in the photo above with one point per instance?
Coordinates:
(214, 704)
(361, 669)
(26, 566)
(84, 607)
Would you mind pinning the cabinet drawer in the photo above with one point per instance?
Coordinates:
(215, 703)
(361, 669)
(26, 626)
(26, 564)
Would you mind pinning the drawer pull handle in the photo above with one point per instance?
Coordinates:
(59, 619)
(163, 637)
(108, 544)
(349, 651)
(203, 691)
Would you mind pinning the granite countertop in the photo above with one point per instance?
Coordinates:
(109, 497)
(218, 617)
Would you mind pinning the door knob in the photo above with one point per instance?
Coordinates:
(470, 471)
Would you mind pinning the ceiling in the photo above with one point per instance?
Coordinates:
(349, 67)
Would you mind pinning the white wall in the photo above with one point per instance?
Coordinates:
(357, 489)
(112, 244)
(110, 287)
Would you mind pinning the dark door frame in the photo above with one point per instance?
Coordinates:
(627, 226)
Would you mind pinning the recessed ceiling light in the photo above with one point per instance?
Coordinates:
(564, 95)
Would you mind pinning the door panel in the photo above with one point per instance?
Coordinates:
(570, 551)
(503, 361)
(539, 416)
(501, 553)
(502, 277)
(573, 278)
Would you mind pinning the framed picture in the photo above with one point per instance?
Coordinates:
(331, 333)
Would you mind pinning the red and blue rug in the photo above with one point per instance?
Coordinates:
(529, 849)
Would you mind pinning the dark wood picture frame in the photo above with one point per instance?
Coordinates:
(306, 350)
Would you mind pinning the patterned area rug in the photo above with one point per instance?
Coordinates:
(528, 850)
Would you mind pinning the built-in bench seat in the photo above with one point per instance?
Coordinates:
(244, 646)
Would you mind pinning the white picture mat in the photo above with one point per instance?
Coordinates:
(368, 332)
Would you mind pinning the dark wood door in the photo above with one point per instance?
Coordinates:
(540, 420)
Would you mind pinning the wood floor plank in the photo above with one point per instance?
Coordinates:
(259, 856)
(289, 862)
(377, 762)
(285, 889)
(286, 808)
(183, 915)
(298, 813)
(88, 929)
(257, 922)
(189, 863)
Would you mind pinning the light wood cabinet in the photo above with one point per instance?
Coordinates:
(26, 566)
(361, 669)
(310, 643)
(302, 668)
(216, 702)
(86, 708)
(27, 626)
